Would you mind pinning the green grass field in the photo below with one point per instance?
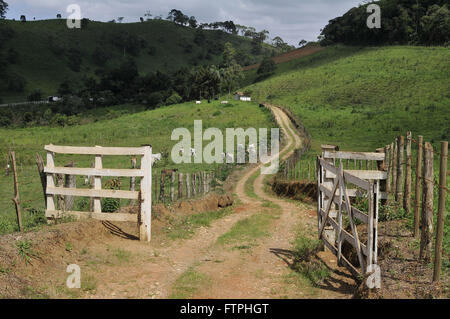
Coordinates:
(51, 39)
(150, 127)
(361, 98)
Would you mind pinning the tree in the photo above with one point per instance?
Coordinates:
(229, 54)
(193, 22)
(302, 43)
(120, 19)
(3, 9)
(267, 67)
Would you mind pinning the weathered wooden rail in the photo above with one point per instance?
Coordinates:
(144, 196)
(335, 188)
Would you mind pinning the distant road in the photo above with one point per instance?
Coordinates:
(24, 103)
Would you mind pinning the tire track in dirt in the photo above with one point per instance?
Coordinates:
(260, 273)
(233, 274)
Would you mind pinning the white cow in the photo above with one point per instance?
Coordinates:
(198, 102)
(224, 102)
(156, 158)
(193, 153)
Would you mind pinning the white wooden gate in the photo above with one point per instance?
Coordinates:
(144, 195)
(335, 188)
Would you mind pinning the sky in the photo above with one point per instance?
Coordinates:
(292, 20)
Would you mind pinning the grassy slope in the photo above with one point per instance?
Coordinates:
(360, 99)
(150, 127)
(46, 70)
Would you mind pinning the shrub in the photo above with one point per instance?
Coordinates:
(175, 98)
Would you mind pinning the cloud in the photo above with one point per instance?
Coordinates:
(293, 20)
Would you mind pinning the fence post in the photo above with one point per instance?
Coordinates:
(146, 196)
(427, 204)
(98, 184)
(188, 185)
(162, 186)
(180, 185)
(91, 185)
(16, 198)
(40, 166)
(194, 184)
(407, 198)
(441, 212)
(172, 186)
(50, 183)
(394, 166)
(70, 181)
(387, 151)
(382, 166)
(133, 179)
(417, 191)
(400, 160)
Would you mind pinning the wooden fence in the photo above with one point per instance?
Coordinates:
(334, 200)
(144, 196)
(402, 168)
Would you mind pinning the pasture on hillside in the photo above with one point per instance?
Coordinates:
(150, 127)
(361, 98)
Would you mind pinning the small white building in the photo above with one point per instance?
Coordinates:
(240, 96)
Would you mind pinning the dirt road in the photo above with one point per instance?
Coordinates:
(247, 253)
(204, 267)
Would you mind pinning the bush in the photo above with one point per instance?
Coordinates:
(16, 83)
(35, 96)
(175, 98)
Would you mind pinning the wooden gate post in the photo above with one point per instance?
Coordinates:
(400, 162)
(427, 204)
(418, 184)
(330, 232)
(50, 183)
(146, 196)
(441, 212)
(407, 198)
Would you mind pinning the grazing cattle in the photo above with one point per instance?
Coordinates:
(251, 148)
(156, 158)
(198, 102)
(224, 102)
(7, 168)
(193, 153)
(230, 158)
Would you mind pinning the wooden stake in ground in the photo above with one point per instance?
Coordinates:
(407, 197)
(188, 185)
(400, 162)
(441, 212)
(40, 165)
(180, 185)
(16, 199)
(418, 184)
(394, 166)
(172, 186)
(427, 204)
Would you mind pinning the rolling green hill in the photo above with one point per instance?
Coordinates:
(44, 50)
(150, 127)
(361, 98)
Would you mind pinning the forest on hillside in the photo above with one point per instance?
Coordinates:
(413, 22)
